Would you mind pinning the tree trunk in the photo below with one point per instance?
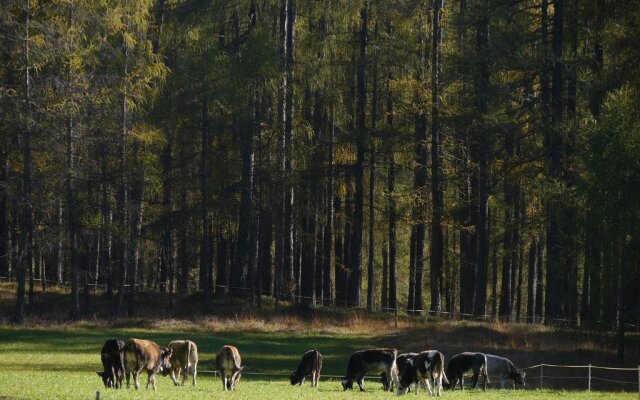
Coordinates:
(205, 240)
(371, 280)
(533, 279)
(246, 203)
(329, 231)
(137, 201)
(72, 224)
(26, 221)
(437, 174)
(355, 281)
(556, 278)
(392, 215)
(484, 149)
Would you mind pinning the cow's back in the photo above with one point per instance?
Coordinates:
(497, 366)
(144, 353)
(228, 359)
(184, 353)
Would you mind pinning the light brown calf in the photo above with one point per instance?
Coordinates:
(184, 359)
(228, 363)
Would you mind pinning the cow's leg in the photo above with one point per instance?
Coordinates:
(475, 379)
(152, 378)
(224, 381)
(428, 381)
(136, 374)
(360, 382)
(440, 384)
(194, 372)
(462, 382)
(128, 373)
(173, 376)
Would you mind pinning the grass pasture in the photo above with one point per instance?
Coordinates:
(58, 362)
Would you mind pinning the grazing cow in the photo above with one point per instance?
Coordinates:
(462, 363)
(372, 360)
(145, 355)
(228, 363)
(401, 362)
(184, 359)
(505, 370)
(112, 363)
(311, 364)
(427, 365)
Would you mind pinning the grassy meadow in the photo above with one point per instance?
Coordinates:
(51, 358)
(59, 363)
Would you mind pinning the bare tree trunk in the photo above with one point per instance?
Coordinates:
(205, 253)
(329, 231)
(555, 269)
(355, 281)
(371, 280)
(26, 221)
(437, 174)
(72, 224)
(482, 93)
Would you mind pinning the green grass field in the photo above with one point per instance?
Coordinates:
(59, 363)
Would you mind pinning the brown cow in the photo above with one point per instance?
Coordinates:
(145, 355)
(184, 359)
(228, 363)
(311, 364)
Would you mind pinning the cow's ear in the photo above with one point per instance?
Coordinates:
(410, 361)
(100, 373)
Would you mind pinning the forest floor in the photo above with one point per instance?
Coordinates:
(52, 358)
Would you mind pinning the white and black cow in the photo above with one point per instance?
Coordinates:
(505, 370)
(112, 359)
(145, 355)
(428, 366)
(310, 365)
(184, 360)
(371, 361)
(463, 363)
(228, 363)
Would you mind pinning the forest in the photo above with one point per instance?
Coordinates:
(454, 158)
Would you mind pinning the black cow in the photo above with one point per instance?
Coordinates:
(311, 364)
(462, 363)
(401, 362)
(112, 363)
(428, 366)
(372, 360)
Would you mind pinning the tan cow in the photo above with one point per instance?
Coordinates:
(145, 355)
(228, 364)
(184, 359)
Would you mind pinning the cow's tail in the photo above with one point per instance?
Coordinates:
(444, 375)
(485, 370)
(129, 350)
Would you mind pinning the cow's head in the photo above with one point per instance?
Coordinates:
(165, 359)
(347, 384)
(518, 377)
(295, 378)
(406, 377)
(107, 378)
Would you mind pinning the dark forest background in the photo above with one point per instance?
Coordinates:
(465, 157)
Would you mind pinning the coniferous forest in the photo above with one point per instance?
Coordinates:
(459, 157)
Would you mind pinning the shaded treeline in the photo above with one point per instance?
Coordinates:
(463, 156)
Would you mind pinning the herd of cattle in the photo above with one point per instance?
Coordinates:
(425, 369)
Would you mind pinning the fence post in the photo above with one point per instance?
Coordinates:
(541, 373)
(589, 388)
(638, 380)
